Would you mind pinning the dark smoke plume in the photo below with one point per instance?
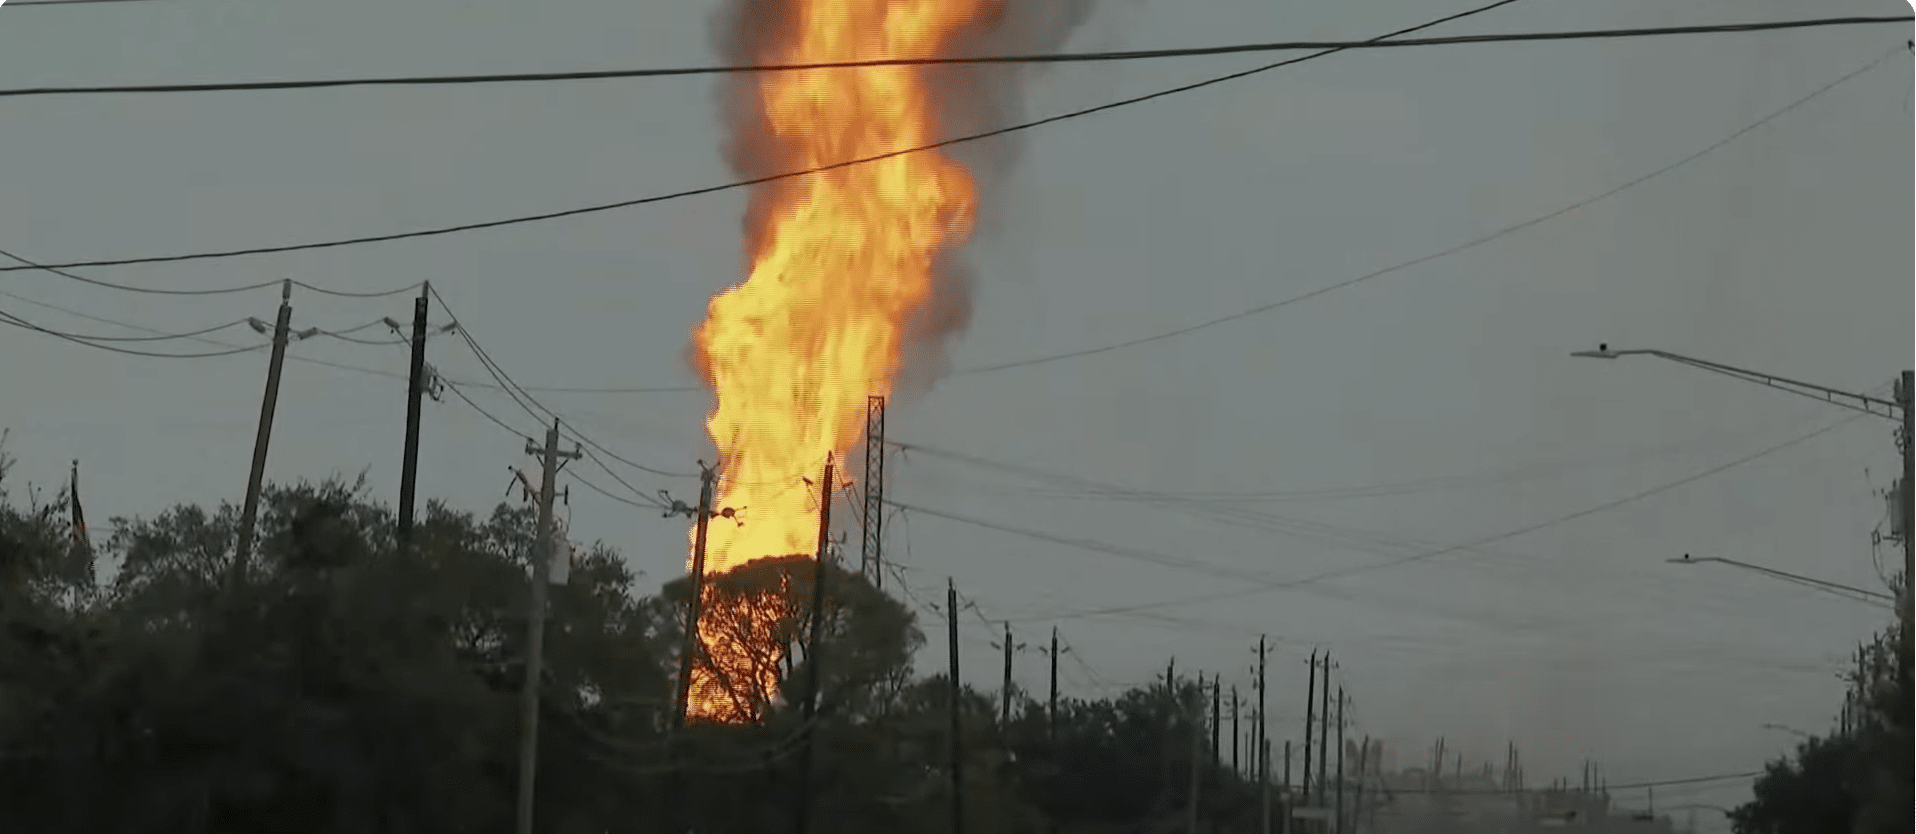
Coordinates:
(972, 98)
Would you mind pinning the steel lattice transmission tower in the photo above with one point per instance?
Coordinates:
(871, 561)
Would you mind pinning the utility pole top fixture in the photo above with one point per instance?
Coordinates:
(1835, 396)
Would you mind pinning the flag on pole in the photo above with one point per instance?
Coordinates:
(80, 541)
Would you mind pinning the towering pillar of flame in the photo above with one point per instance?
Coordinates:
(840, 262)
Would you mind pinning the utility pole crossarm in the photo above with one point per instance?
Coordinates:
(1847, 399)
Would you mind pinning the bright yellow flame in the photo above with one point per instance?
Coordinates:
(842, 261)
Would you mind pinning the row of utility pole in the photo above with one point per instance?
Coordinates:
(1320, 790)
(546, 552)
(545, 547)
(1318, 706)
(416, 388)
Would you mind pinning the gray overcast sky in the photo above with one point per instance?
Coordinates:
(1788, 250)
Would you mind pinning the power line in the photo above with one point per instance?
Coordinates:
(33, 265)
(16, 321)
(1258, 585)
(643, 501)
(1169, 334)
(1132, 553)
(533, 407)
(144, 329)
(18, 3)
(162, 337)
(1332, 535)
(1443, 253)
(290, 357)
(1052, 58)
(746, 183)
(1262, 588)
(1687, 780)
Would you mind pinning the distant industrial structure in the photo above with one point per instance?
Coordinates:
(1451, 800)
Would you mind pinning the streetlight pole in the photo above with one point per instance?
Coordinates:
(1902, 409)
(1791, 730)
(1846, 591)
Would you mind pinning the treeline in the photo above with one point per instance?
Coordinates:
(1855, 778)
(341, 686)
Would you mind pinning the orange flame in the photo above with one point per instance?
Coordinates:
(841, 260)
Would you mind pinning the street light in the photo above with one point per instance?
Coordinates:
(1791, 730)
(1846, 399)
(1905, 396)
(1850, 592)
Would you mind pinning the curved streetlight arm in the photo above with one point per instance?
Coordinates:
(1871, 596)
(1847, 399)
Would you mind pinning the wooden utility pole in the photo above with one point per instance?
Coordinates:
(1169, 716)
(256, 477)
(1340, 761)
(542, 554)
(1004, 691)
(1323, 730)
(1004, 711)
(1287, 784)
(1264, 789)
(1357, 797)
(1235, 770)
(1263, 742)
(1051, 703)
(1217, 725)
(1906, 396)
(1195, 714)
(814, 654)
(1310, 721)
(691, 647)
(1051, 709)
(957, 760)
(415, 392)
(1286, 767)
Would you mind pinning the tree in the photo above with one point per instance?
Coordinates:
(343, 686)
(1856, 779)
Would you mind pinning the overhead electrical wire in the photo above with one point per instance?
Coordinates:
(16, 321)
(57, 270)
(1380, 489)
(540, 412)
(1051, 58)
(291, 357)
(746, 183)
(1165, 335)
(1333, 535)
(20, 3)
(1443, 253)
(1263, 588)
(161, 337)
(1398, 267)
(1684, 780)
(642, 501)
